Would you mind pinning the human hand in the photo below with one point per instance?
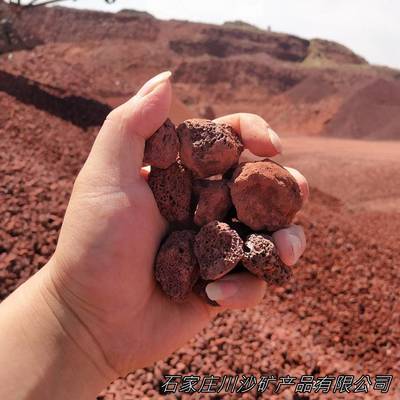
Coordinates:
(102, 269)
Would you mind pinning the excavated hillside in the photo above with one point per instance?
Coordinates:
(302, 87)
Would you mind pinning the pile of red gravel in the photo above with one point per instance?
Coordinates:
(39, 157)
(340, 314)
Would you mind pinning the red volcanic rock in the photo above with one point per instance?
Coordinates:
(218, 249)
(176, 267)
(213, 202)
(162, 147)
(208, 148)
(261, 259)
(172, 189)
(265, 195)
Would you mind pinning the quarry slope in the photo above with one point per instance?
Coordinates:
(302, 87)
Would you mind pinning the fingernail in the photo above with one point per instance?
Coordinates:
(274, 138)
(221, 290)
(151, 84)
(301, 181)
(295, 244)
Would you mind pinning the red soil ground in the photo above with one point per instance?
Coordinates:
(340, 313)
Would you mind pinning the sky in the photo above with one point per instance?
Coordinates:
(371, 28)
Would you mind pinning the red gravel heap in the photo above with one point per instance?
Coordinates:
(338, 315)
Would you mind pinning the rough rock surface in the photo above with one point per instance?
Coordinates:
(208, 148)
(218, 249)
(213, 201)
(172, 189)
(265, 195)
(176, 267)
(261, 258)
(162, 147)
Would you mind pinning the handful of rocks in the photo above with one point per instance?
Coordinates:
(221, 213)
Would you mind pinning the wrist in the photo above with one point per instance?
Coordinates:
(39, 330)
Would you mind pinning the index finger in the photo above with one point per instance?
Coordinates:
(256, 134)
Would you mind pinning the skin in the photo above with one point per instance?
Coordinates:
(95, 312)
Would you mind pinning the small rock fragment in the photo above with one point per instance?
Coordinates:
(208, 148)
(261, 258)
(161, 149)
(176, 267)
(172, 189)
(213, 202)
(218, 249)
(265, 195)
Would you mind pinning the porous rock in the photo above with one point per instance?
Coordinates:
(161, 149)
(265, 195)
(176, 267)
(218, 249)
(213, 200)
(172, 189)
(261, 258)
(208, 148)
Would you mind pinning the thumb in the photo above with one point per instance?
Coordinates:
(117, 153)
